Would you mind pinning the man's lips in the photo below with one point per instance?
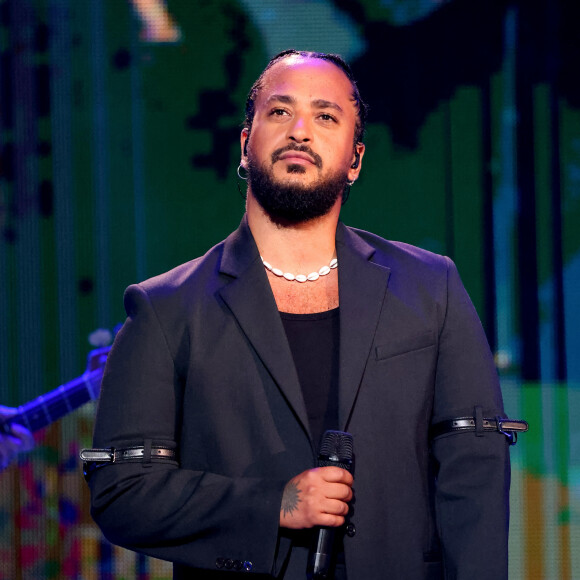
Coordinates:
(297, 155)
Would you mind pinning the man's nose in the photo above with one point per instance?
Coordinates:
(300, 130)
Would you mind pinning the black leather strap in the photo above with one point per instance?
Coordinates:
(95, 458)
(509, 427)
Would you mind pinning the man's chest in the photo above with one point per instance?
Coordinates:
(305, 297)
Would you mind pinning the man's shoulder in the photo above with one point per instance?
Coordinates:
(188, 275)
(394, 253)
(206, 273)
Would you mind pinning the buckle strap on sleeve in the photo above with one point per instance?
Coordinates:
(95, 458)
(508, 427)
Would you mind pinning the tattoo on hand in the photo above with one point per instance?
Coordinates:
(290, 498)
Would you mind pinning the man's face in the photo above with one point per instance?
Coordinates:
(301, 148)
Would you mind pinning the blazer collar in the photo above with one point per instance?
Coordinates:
(362, 288)
(362, 281)
(252, 302)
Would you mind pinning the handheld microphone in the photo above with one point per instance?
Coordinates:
(335, 449)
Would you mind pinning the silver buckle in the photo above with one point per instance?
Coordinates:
(98, 455)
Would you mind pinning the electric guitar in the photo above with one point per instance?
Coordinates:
(53, 405)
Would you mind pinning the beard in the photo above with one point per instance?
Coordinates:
(293, 203)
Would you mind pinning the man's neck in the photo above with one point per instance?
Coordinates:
(296, 248)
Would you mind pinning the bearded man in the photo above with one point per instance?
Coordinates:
(230, 368)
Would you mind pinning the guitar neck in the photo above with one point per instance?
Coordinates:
(50, 407)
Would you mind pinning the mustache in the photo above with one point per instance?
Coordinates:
(302, 148)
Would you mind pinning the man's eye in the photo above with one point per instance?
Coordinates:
(278, 112)
(327, 117)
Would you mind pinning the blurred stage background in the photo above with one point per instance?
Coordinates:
(119, 125)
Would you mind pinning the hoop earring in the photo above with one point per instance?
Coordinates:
(240, 168)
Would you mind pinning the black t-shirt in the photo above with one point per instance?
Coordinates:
(314, 340)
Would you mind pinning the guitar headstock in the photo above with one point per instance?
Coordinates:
(97, 358)
(102, 338)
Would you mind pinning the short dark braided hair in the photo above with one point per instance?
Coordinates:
(335, 59)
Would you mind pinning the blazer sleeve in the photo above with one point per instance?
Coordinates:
(472, 488)
(185, 516)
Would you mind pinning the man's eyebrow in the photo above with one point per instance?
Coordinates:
(316, 103)
(324, 104)
(281, 99)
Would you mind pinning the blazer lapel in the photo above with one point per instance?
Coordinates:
(252, 303)
(362, 291)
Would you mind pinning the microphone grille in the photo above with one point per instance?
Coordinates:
(336, 449)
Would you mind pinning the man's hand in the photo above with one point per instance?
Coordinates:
(317, 497)
(18, 439)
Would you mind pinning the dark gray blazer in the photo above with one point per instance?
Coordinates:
(202, 363)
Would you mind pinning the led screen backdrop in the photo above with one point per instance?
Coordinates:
(119, 142)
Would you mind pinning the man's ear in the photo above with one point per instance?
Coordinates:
(244, 137)
(354, 169)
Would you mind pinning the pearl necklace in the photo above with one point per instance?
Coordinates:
(301, 277)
